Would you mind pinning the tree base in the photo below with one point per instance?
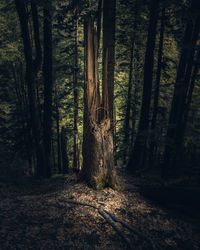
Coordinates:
(98, 159)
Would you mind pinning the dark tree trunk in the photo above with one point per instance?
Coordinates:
(59, 163)
(22, 113)
(108, 57)
(99, 17)
(65, 161)
(53, 154)
(138, 155)
(156, 92)
(191, 88)
(38, 59)
(48, 84)
(76, 164)
(128, 106)
(135, 95)
(30, 75)
(175, 128)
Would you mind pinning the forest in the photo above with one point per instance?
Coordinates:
(100, 124)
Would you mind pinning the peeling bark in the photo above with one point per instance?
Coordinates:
(98, 160)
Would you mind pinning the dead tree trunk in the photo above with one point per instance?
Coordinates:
(98, 161)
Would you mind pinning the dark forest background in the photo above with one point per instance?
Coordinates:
(137, 60)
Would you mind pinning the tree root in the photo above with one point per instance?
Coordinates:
(111, 220)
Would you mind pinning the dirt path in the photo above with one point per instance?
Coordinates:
(35, 215)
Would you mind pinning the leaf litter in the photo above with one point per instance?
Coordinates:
(36, 214)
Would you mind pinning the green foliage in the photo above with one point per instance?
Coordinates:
(131, 23)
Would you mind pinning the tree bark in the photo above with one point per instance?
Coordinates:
(76, 165)
(65, 161)
(191, 88)
(22, 114)
(99, 17)
(175, 130)
(30, 76)
(59, 163)
(98, 161)
(156, 93)
(128, 106)
(48, 84)
(108, 57)
(138, 155)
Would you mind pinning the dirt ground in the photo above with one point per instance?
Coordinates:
(35, 214)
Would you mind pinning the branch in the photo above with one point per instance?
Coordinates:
(111, 219)
(107, 217)
(138, 233)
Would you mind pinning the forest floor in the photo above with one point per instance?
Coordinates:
(37, 214)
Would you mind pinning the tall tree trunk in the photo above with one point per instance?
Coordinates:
(175, 131)
(59, 163)
(76, 166)
(48, 84)
(156, 92)
(65, 161)
(191, 88)
(138, 156)
(22, 114)
(134, 98)
(98, 161)
(31, 71)
(99, 17)
(128, 106)
(108, 57)
(53, 154)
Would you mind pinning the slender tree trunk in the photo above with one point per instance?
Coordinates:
(191, 88)
(48, 84)
(23, 119)
(59, 163)
(128, 107)
(135, 94)
(135, 99)
(138, 156)
(76, 166)
(53, 154)
(30, 75)
(108, 57)
(156, 93)
(38, 59)
(99, 17)
(65, 161)
(175, 131)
